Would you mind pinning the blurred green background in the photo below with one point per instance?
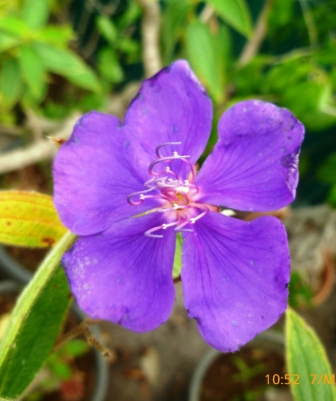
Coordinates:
(57, 56)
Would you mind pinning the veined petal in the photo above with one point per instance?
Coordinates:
(172, 106)
(95, 171)
(254, 165)
(123, 276)
(235, 277)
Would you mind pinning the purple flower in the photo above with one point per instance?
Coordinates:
(127, 188)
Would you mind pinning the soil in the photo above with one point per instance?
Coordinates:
(241, 376)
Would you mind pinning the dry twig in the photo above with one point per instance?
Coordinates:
(42, 149)
(150, 36)
(252, 46)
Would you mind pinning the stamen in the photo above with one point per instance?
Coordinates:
(149, 234)
(165, 159)
(141, 195)
(180, 228)
(192, 171)
(193, 219)
(176, 196)
(164, 226)
(157, 151)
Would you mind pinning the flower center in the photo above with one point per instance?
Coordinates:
(176, 196)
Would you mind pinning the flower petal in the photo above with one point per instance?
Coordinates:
(123, 276)
(94, 172)
(235, 277)
(172, 106)
(254, 165)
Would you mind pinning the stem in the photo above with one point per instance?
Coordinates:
(150, 36)
(252, 46)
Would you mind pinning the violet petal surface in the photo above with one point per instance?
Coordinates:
(254, 165)
(123, 276)
(94, 172)
(235, 276)
(172, 106)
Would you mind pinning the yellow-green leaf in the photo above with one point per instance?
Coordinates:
(29, 219)
(308, 364)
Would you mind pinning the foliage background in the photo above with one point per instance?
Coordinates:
(62, 55)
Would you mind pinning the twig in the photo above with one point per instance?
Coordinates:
(206, 14)
(252, 46)
(150, 36)
(83, 328)
(33, 124)
(42, 149)
(45, 149)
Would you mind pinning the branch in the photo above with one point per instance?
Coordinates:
(252, 46)
(42, 149)
(150, 36)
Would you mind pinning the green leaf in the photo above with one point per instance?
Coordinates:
(235, 13)
(36, 13)
(174, 19)
(32, 70)
(311, 109)
(107, 29)
(201, 50)
(15, 26)
(56, 35)
(281, 14)
(178, 256)
(108, 65)
(35, 323)
(8, 41)
(332, 196)
(58, 367)
(132, 13)
(29, 219)
(327, 170)
(74, 348)
(69, 65)
(306, 358)
(11, 84)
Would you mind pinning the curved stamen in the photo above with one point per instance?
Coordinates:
(157, 150)
(191, 186)
(165, 159)
(192, 170)
(193, 219)
(141, 194)
(143, 197)
(179, 228)
(149, 234)
(168, 170)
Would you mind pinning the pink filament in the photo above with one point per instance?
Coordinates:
(172, 192)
